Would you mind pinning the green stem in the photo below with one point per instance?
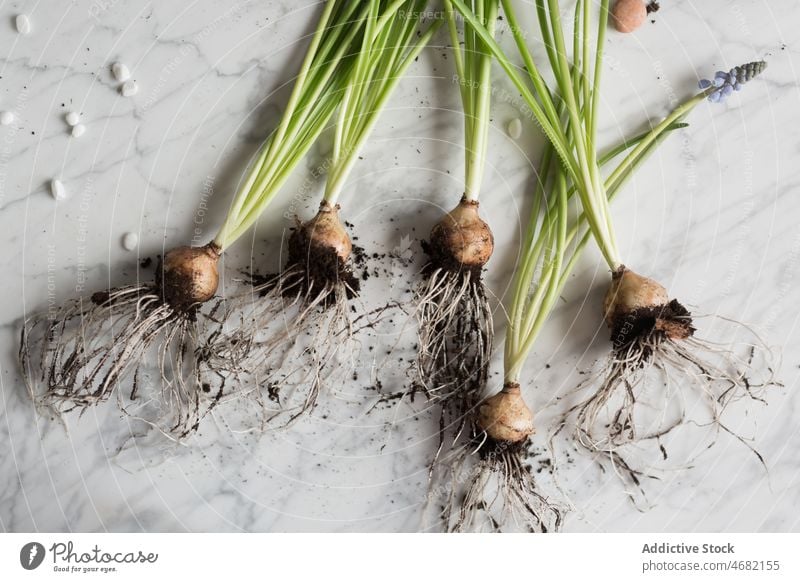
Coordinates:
(528, 313)
(593, 196)
(598, 67)
(539, 85)
(552, 130)
(315, 82)
(537, 317)
(524, 276)
(452, 29)
(274, 164)
(477, 136)
(341, 168)
(242, 195)
(313, 131)
(678, 113)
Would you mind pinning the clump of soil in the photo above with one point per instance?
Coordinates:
(100, 297)
(671, 321)
(492, 449)
(360, 258)
(175, 289)
(441, 258)
(653, 6)
(321, 265)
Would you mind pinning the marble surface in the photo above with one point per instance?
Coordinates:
(713, 215)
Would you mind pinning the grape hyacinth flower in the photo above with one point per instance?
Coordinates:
(725, 83)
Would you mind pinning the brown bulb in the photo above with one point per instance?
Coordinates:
(462, 239)
(188, 276)
(630, 292)
(505, 417)
(326, 231)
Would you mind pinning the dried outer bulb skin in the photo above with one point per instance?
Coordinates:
(462, 239)
(505, 417)
(327, 231)
(630, 292)
(188, 276)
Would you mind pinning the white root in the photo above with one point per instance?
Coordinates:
(655, 385)
(486, 487)
(77, 356)
(455, 339)
(455, 335)
(287, 343)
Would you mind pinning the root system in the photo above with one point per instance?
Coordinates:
(485, 486)
(288, 336)
(455, 339)
(285, 336)
(660, 377)
(454, 317)
(77, 355)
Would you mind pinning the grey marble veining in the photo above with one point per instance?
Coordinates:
(713, 215)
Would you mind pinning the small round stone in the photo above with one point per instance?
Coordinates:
(515, 128)
(129, 89)
(130, 241)
(121, 72)
(78, 130)
(6, 118)
(23, 24)
(57, 190)
(72, 118)
(628, 15)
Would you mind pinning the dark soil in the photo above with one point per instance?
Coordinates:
(653, 6)
(100, 297)
(360, 258)
(322, 262)
(441, 258)
(321, 265)
(492, 448)
(176, 289)
(670, 321)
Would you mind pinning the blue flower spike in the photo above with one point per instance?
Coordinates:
(726, 83)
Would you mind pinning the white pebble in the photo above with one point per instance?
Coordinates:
(57, 189)
(515, 128)
(23, 24)
(78, 130)
(73, 118)
(121, 72)
(129, 89)
(130, 241)
(6, 118)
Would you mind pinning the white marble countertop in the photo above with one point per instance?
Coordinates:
(713, 215)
